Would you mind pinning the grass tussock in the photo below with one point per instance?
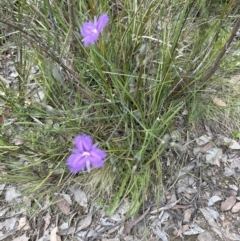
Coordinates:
(153, 59)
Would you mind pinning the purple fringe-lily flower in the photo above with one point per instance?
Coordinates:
(90, 30)
(86, 154)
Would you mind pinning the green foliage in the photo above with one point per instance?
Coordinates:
(236, 134)
(125, 91)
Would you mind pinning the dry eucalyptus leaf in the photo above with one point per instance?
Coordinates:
(160, 233)
(67, 198)
(67, 231)
(80, 197)
(13, 75)
(213, 213)
(113, 229)
(185, 189)
(185, 170)
(140, 228)
(104, 222)
(228, 172)
(233, 187)
(219, 102)
(213, 200)
(207, 215)
(187, 215)
(128, 227)
(193, 229)
(121, 210)
(38, 95)
(47, 221)
(54, 236)
(23, 224)
(63, 205)
(84, 223)
(236, 207)
(228, 203)
(203, 140)
(179, 206)
(124, 207)
(205, 148)
(213, 154)
(234, 145)
(65, 225)
(129, 238)
(10, 223)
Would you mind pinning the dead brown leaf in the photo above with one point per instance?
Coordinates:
(206, 147)
(113, 229)
(84, 223)
(80, 197)
(54, 236)
(63, 205)
(128, 227)
(47, 221)
(218, 101)
(228, 203)
(179, 206)
(23, 224)
(207, 215)
(236, 207)
(187, 215)
(216, 162)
